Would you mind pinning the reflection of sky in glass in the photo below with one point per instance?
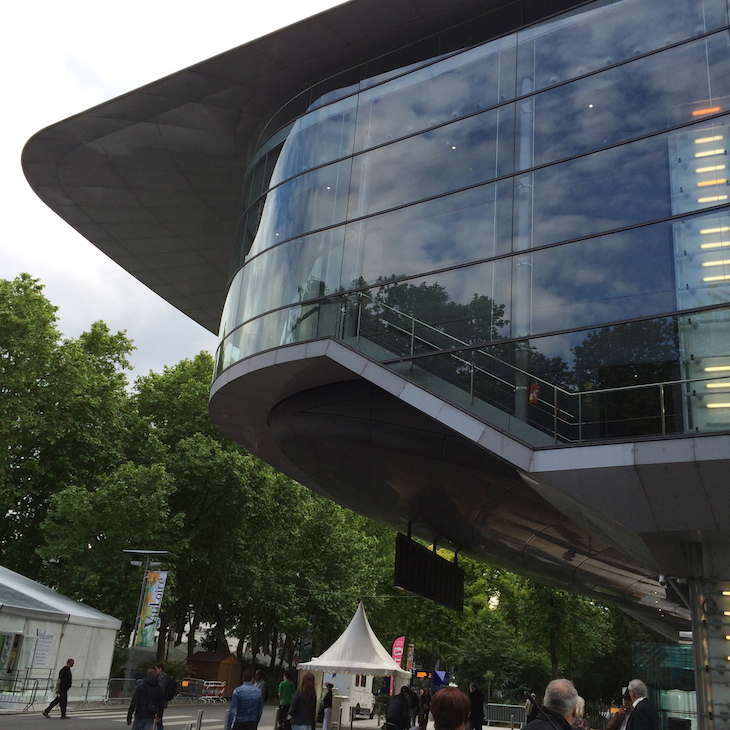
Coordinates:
(588, 40)
(576, 285)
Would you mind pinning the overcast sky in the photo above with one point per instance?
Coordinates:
(61, 58)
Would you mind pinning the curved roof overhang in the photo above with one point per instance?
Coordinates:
(152, 178)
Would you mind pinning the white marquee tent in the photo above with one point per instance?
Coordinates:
(40, 629)
(357, 651)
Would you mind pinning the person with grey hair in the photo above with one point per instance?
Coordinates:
(644, 716)
(558, 710)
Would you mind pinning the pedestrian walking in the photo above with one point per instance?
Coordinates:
(63, 684)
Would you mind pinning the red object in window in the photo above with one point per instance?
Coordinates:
(534, 396)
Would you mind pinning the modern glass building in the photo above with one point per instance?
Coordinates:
(470, 266)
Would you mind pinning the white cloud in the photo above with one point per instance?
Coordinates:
(62, 58)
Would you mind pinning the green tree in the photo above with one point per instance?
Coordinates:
(62, 413)
(87, 530)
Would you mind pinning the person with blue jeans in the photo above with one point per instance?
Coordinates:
(247, 704)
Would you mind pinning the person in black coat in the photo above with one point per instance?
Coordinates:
(146, 702)
(558, 710)
(644, 716)
(476, 714)
(397, 712)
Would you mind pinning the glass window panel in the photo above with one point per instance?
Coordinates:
(314, 200)
(443, 91)
(319, 137)
(702, 246)
(618, 187)
(592, 38)
(603, 279)
(301, 269)
(230, 318)
(432, 163)
(442, 311)
(647, 95)
(447, 231)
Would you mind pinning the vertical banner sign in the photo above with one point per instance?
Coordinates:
(397, 654)
(409, 660)
(151, 603)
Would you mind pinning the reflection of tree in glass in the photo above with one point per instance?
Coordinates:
(630, 354)
(476, 322)
(421, 319)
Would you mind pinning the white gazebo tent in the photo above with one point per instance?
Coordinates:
(357, 651)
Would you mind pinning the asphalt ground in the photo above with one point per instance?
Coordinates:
(180, 715)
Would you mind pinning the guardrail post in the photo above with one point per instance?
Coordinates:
(359, 317)
(199, 724)
(580, 417)
(662, 409)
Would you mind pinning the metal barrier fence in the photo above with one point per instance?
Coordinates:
(204, 690)
(18, 693)
(512, 715)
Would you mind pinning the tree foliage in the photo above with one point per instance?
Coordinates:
(62, 412)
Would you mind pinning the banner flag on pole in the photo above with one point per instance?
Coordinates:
(154, 589)
(397, 654)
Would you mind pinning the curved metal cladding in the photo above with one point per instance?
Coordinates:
(530, 229)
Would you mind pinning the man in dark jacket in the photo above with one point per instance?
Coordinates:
(644, 715)
(162, 681)
(558, 710)
(146, 702)
(396, 714)
(63, 684)
(476, 714)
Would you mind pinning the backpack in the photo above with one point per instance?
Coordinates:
(171, 689)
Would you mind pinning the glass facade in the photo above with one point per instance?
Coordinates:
(535, 227)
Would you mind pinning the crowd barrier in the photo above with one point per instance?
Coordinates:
(512, 715)
(204, 690)
(18, 694)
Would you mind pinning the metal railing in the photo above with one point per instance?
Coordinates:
(416, 349)
(16, 693)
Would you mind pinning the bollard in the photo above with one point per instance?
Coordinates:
(512, 722)
(200, 720)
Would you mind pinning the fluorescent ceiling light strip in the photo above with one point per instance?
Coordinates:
(709, 153)
(712, 199)
(715, 244)
(721, 262)
(710, 279)
(711, 168)
(706, 183)
(721, 229)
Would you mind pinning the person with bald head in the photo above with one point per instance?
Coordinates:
(558, 707)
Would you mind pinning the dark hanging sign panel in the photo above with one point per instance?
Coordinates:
(421, 571)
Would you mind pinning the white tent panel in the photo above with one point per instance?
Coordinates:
(357, 651)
